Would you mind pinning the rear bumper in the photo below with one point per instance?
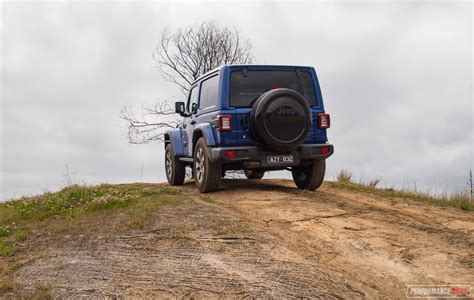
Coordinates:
(257, 157)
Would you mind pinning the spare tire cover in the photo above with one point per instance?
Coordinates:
(281, 118)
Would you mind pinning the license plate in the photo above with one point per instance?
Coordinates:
(280, 159)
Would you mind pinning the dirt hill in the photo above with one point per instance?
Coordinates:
(261, 238)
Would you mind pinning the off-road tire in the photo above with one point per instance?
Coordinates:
(207, 175)
(174, 168)
(254, 174)
(309, 175)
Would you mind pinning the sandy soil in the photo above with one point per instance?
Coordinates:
(276, 241)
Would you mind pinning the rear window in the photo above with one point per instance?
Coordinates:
(245, 90)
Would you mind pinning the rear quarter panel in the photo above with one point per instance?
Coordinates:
(206, 115)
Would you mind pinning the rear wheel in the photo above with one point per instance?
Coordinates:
(310, 175)
(175, 169)
(254, 174)
(206, 173)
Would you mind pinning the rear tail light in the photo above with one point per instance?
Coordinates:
(324, 150)
(225, 123)
(324, 121)
(230, 154)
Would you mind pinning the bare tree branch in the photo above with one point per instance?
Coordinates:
(183, 56)
(191, 52)
(151, 125)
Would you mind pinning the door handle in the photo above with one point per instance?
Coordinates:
(192, 122)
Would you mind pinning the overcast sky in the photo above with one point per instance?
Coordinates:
(396, 78)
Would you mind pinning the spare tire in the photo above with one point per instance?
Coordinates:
(281, 118)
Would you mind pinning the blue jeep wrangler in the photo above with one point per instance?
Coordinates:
(254, 118)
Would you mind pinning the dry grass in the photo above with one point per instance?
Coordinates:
(80, 210)
(460, 199)
(457, 200)
(344, 176)
(10, 289)
(464, 199)
(75, 210)
(374, 182)
(228, 228)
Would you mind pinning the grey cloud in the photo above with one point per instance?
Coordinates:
(396, 77)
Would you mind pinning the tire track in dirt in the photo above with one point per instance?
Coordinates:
(368, 238)
(166, 261)
(261, 239)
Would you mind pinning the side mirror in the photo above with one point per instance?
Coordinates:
(179, 108)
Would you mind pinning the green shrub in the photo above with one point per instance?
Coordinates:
(4, 232)
(6, 248)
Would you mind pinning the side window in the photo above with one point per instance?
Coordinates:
(193, 99)
(209, 92)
